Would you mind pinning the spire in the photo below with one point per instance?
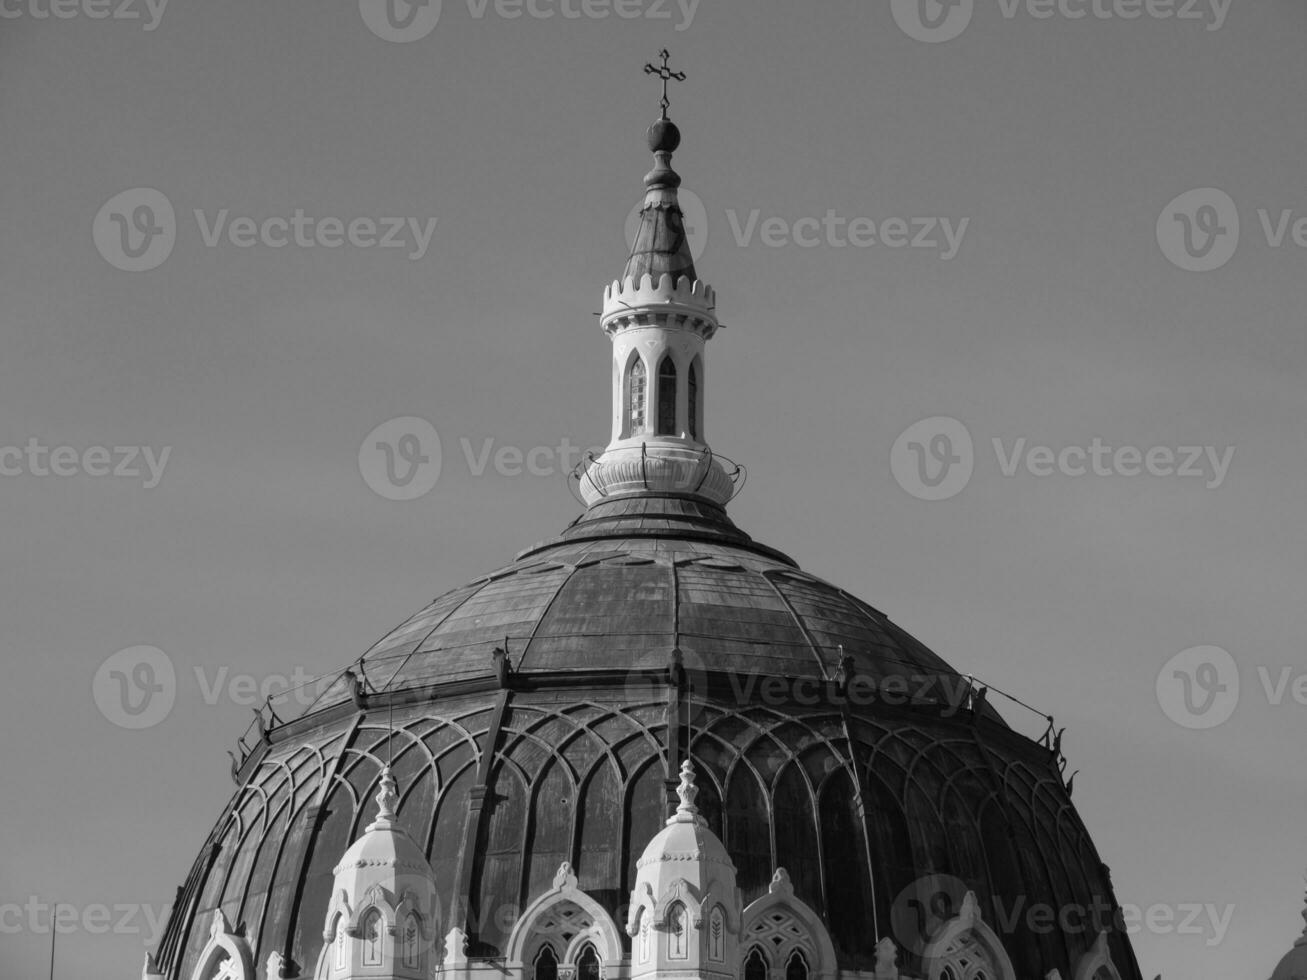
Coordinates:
(661, 245)
(387, 798)
(687, 791)
(659, 315)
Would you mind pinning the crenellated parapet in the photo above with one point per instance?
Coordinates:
(673, 302)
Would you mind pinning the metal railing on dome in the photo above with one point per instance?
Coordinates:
(737, 473)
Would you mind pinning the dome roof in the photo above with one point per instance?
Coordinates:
(634, 580)
(1294, 964)
(534, 718)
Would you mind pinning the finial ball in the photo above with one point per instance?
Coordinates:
(664, 137)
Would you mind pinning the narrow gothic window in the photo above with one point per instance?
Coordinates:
(587, 964)
(796, 968)
(372, 938)
(755, 967)
(677, 940)
(411, 944)
(635, 402)
(546, 964)
(340, 943)
(667, 398)
(692, 384)
(717, 935)
(644, 938)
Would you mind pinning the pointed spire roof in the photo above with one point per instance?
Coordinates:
(661, 246)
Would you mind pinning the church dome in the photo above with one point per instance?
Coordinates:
(634, 580)
(875, 811)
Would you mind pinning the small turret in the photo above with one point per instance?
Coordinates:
(685, 908)
(659, 316)
(384, 919)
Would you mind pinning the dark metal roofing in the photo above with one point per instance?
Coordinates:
(660, 245)
(628, 583)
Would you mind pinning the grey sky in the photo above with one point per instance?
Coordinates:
(1060, 319)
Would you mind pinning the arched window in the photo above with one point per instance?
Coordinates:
(587, 964)
(755, 966)
(546, 964)
(372, 938)
(340, 943)
(717, 935)
(667, 398)
(635, 380)
(678, 946)
(692, 386)
(796, 967)
(411, 941)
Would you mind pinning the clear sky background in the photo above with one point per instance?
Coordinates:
(262, 549)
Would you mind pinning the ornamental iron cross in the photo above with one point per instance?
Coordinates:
(666, 74)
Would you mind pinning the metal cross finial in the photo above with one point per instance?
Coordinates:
(666, 74)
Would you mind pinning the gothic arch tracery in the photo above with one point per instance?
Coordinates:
(226, 956)
(780, 923)
(966, 948)
(571, 919)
